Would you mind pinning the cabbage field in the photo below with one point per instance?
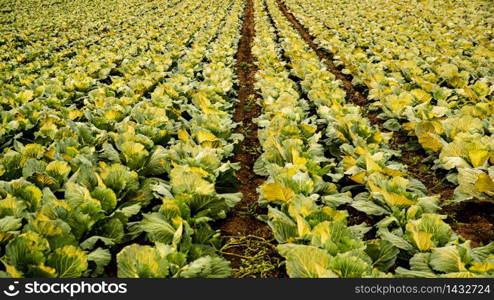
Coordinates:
(246, 138)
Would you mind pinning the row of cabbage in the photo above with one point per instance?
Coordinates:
(70, 73)
(34, 30)
(314, 146)
(201, 184)
(124, 143)
(429, 67)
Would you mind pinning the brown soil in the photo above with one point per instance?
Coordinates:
(475, 225)
(242, 222)
(472, 220)
(434, 180)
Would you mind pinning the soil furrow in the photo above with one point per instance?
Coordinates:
(354, 95)
(473, 221)
(250, 246)
(413, 159)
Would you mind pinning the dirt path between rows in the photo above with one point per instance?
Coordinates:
(473, 221)
(355, 96)
(249, 245)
